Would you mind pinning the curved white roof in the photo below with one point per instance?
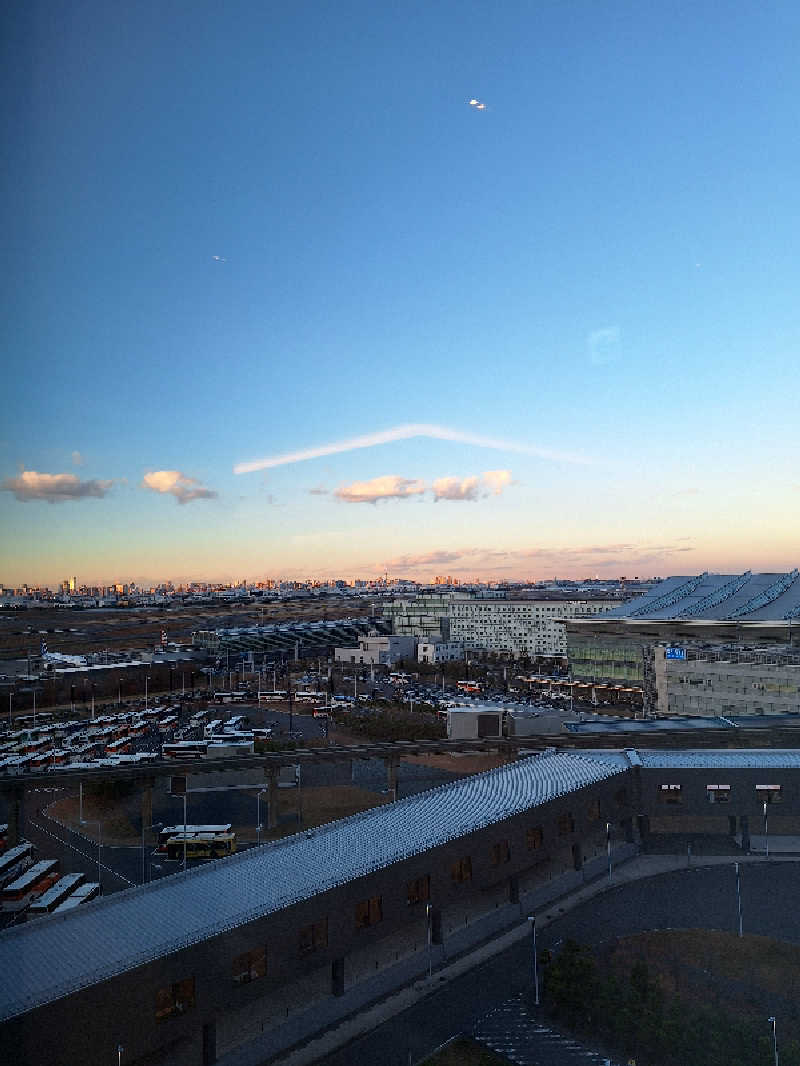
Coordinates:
(743, 597)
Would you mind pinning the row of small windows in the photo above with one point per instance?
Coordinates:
(673, 794)
(177, 998)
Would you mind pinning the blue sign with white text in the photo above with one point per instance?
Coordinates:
(676, 653)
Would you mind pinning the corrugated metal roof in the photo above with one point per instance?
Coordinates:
(722, 759)
(66, 952)
(717, 597)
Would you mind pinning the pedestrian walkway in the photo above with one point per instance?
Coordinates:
(365, 1021)
(514, 1031)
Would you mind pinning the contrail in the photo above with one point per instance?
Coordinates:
(414, 429)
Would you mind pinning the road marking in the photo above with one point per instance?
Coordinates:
(83, 854)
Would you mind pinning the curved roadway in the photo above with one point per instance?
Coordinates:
(700, 897)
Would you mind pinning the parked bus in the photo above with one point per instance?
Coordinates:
(118, 747)
(14, 862)
(230, 697)
(82, 894)
(272, 697)
(49, 900)
(185, 749)
(201, 845)
(37, 879)
(168, 831)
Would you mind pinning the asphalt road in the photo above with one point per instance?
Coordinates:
(687, 899)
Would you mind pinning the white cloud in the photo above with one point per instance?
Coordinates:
(387, 487)
(604, 345)
(393, 487)
(54, 488)
(407, 432)
(77, 459)
(551, 560)
(491, 482)
(496, 480)
(453, 488)
(181, 486)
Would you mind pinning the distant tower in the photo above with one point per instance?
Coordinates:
(73, 584)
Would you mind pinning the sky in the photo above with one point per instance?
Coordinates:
(502, 291)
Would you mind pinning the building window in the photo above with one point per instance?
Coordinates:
(718, 793)
(249, 966)
(420, 890)
(594, 810)
(369, 912)
(535, 837)
(314, 937)
(461, 871)
(566, 824)
(621, 797)
(501, 853)
(769, 793)
(670, 794)
(174, 999)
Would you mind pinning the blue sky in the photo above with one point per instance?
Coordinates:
(601, 264)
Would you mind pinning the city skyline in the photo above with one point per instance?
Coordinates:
(508, 294)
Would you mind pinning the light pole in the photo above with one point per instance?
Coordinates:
(34, 708)
(10, 693)
(155, 825)
(146, 679)
(608, 849)
(738, 896)
(184, 830)
(766, 831)
(99, 845)
(429, 921)
(120, 1049)
(774, 1039)
(532, 920)
(258, 809)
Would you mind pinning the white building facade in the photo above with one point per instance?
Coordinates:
(520, 628)
(440, 651)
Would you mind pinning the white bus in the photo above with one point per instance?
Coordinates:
(189, 831)
(14, 862)
(56, 894)
(82, 894)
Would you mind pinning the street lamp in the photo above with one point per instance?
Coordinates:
(429, 921)
(532, 920)
(258, 809)
(155, 825)
(766, 831)
(608, 849)
(738, 896)
(120, 1049)
(774, 1039)
(99, 845)
(146, 679)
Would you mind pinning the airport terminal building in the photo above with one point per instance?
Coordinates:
(711, 645)
(240, 959)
